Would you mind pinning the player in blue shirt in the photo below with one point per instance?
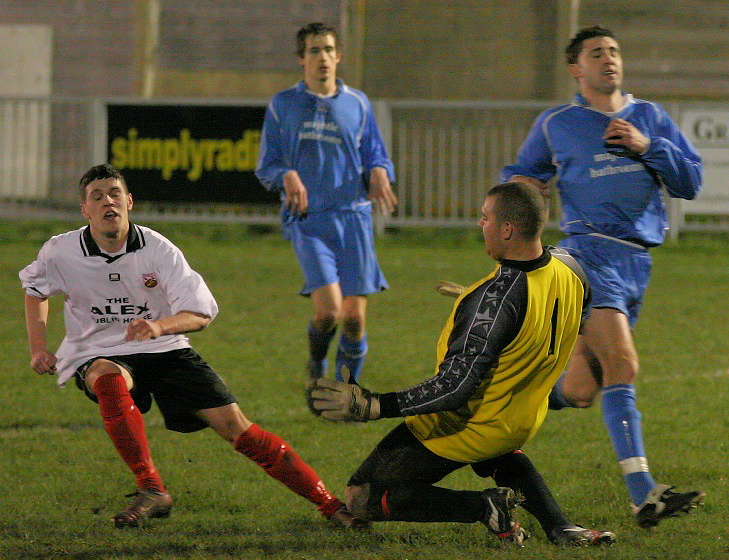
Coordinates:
(322, 150)
(612, 155)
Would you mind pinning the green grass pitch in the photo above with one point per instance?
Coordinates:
(61, 480)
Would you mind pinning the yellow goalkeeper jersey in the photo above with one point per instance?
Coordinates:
(499, 354)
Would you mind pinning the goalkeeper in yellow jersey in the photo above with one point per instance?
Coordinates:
(502, 349)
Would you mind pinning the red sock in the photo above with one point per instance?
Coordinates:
(125, 426)
(281, 462)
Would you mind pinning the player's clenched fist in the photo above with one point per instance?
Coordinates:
(43, 362)
(345, 402)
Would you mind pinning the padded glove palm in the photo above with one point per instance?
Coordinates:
(345, 402)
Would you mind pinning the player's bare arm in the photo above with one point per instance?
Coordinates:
(622, 132)
(381, 191)
(182, 322)
(36, 317)
(297, 197)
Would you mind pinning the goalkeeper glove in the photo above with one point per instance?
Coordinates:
(345, 402)
(451, 289)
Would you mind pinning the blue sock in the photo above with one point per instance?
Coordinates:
(319, 345)
(351, 353)
(557, 400)
(623, 423)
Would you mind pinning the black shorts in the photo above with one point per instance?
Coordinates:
(401, 458)
(180, 381)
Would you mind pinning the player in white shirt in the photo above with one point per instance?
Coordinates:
(130, 296)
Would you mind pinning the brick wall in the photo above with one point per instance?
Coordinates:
(93, 43)
(432, 49)
(672, 48)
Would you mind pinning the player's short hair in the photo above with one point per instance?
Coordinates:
(315, 28)
(522, 205)
(103, 171)
(574, 48)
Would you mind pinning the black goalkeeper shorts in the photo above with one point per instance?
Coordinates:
(401, 458)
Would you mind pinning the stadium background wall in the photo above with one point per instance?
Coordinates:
(461, 49)
(462, 52)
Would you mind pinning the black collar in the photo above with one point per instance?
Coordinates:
(135, 241)
(528, 266)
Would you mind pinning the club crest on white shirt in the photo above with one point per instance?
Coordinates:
(150, 280)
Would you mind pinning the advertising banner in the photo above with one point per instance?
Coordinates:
(188, 153)
(708, 131)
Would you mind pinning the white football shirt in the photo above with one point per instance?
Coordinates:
(103, 293)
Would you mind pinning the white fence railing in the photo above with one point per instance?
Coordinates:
(24, 149)
(445, 155)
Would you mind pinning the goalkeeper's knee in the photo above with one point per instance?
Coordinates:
(356, 498)
(366, 501)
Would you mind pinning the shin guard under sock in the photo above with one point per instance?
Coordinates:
(124, 423)
(281, 462)
(319, 342)
(623, 421)
(351, 353)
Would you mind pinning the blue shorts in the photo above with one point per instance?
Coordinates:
(337, 247)
(618, 272)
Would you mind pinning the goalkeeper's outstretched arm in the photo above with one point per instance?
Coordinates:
(473, 349)
(348, 402)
